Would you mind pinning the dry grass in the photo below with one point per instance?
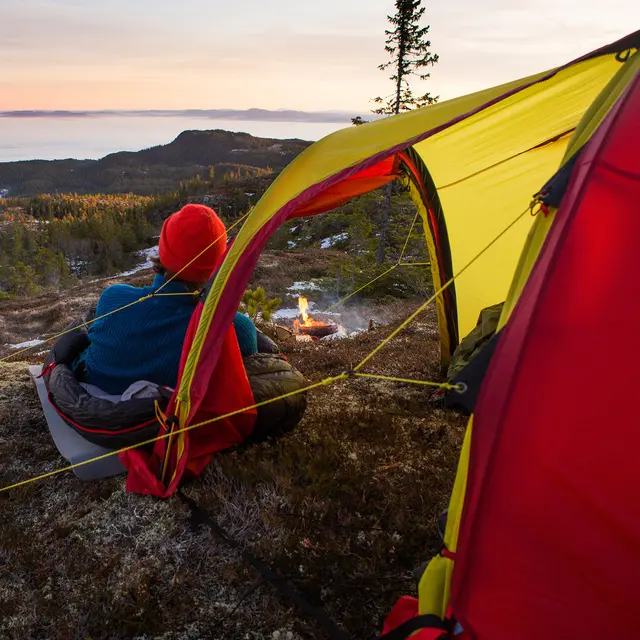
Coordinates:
(345, 507)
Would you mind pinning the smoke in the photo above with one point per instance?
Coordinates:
(352, 316)
(356, 316)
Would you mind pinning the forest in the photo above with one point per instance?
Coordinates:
(50, 241)
(53, 241)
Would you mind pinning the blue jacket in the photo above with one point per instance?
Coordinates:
(144, 341)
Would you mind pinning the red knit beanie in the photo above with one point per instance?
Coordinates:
(189, 233)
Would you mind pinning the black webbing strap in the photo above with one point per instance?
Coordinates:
(200, 517)
(412, 625)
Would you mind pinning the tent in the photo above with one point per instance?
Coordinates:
(472, 165)
(543, 533)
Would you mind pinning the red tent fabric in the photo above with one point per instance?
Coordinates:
(550, 540)
(404, 610)
(224, 389)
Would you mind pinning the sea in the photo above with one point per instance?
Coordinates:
(93, 137)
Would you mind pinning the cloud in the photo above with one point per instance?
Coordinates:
(77, 54)
(508, 39)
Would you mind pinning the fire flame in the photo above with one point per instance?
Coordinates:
(307, 321)
(303, 306)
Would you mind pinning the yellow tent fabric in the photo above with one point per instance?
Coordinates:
(326, 158)
(494, 164)
(435, 584)
(592, 118)
(487, 154)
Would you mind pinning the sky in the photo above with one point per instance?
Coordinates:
(276, 54)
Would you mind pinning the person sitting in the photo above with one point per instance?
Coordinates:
(144, 341)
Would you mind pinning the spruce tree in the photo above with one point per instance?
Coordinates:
(410, 53)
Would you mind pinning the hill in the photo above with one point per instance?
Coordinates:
(154, 170)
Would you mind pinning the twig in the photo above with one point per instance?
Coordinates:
(254, 587)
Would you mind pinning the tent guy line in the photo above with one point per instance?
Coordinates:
(560, 136)
(158, 294)
(143, 299)
(354, 372)
(399, 263)
(444, 287)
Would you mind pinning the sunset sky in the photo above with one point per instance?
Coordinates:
(272, 54)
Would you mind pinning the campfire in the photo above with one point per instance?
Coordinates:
(306, 325)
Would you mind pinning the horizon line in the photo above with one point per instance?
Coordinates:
(253, 113)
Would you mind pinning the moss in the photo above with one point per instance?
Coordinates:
(345, 507)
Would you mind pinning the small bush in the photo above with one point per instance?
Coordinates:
(258, 306)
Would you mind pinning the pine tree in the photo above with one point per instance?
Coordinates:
(410, 53)
(258, 306)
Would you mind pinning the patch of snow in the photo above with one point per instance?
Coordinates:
(304, 286)
(325, 243)
(292, 244)
(290, 314)
(285, 314)
(340, 334)
(125, 273)
(76, 267)
(147, 254)
(25, 345)
(294, 229)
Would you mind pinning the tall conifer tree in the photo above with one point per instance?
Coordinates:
(410, 53)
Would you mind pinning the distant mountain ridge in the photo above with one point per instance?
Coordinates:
(254, 114)
(154, 170)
